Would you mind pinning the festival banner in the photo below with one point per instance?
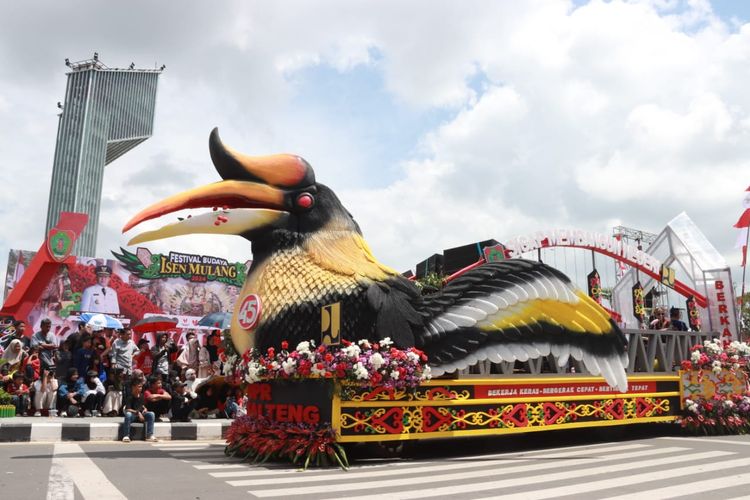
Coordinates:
(639, 305)
(132, 286)
(693, 314)
(594, 286)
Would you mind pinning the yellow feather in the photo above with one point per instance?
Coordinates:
(584, 316)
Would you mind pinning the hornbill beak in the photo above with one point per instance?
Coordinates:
(257, 192)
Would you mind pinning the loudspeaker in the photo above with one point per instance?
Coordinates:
(455, 259)
(432, 264)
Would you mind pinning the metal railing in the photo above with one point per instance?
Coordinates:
(649, 351)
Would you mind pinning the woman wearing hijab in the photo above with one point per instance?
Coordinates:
(13, 356)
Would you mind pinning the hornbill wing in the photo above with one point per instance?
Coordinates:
(516, 310)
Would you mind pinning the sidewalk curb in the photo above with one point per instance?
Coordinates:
(18, 430)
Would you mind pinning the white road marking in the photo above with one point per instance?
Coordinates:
(79, 470)
(503, 469)
(560, 476)
(707, 440)
(635, 479)
(221, 466)
(684, 489)
(412, 467)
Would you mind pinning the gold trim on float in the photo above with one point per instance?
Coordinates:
(510, 430)
(336, 411)
(522, 380)
(486, 401)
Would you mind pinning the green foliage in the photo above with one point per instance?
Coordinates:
(5, 398)
(430, 283)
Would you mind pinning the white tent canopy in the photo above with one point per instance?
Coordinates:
(683, 247)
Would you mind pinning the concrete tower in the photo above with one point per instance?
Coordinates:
(107, 112)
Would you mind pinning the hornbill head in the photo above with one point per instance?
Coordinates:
(257, 197)
(274, 202)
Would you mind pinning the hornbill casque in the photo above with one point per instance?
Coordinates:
(309, 252)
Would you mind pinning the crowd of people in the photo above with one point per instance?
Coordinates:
(104, 372)
(660, 321)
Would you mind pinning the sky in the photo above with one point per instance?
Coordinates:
(438, 123)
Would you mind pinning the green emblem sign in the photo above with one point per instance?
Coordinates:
(60, 244)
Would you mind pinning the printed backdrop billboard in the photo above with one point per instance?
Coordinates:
(133, 285)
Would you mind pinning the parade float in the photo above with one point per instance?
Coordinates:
(335, 347)
(332, 347)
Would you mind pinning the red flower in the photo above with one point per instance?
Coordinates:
(686, 365)
(271, 352)
(329, 357)
(284, 345)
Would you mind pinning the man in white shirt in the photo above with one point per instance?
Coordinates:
(100, 298)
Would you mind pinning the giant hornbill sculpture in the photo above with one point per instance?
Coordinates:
(309, 252)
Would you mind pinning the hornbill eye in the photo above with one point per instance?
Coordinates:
(305, 201)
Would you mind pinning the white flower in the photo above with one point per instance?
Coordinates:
(365, 344)
(376, 360)
(426, 373)
(695, 357)
(318, 371)
(413, 357)
(728, 403)
(360, 371)
(303, 347)
(395, 374)
(386, 342)
(253, 373)
(275, 365)
(352, 351)
(289, 366)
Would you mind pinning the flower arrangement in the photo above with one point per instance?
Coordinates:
(259, 439)
(361, 363)
(717, 355)
(722, 414)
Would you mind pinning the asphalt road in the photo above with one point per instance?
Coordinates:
(635, 462)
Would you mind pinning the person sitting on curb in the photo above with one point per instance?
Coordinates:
(157, 399)
(182, 403)
(45, 394)
(70, 393)
(135, 409)
(19, 393)
(93, 395)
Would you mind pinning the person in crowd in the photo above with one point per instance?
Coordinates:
(135, 410)
(93, 394)
(19, 393)
(32, 365)
(63, 358)
(161, 351)
(660, 321)
(83, 355)
(236, 404)
(97, 364)
(188, 358)
(14, 356)
(45, 340)
(144, 360)
(207, 403)
(45, 395)
(121, 356)
(19, 329)
(191, 381)
(75, 337)
(5, 376)
(213, 344)
(157, 399)
(70, 393)
(675, 319)
(182, 403)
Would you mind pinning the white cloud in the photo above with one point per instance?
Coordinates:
(626, 112)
